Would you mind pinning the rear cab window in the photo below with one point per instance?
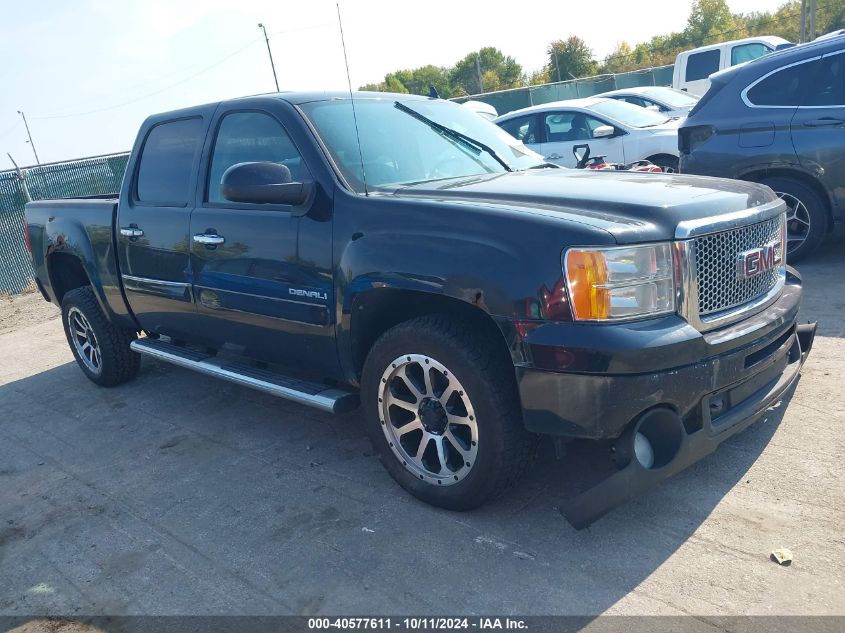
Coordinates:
(168, 161)
(702, 65)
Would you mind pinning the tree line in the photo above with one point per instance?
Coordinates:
(710, 21)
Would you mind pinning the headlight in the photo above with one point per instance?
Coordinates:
(607, 284)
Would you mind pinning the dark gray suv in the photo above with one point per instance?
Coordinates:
(778, 120)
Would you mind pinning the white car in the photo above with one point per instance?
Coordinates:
(619, 131)
(668, 101)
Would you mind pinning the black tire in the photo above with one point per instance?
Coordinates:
(667, 163)
(117, 363)
(504, 449)
(792, 190)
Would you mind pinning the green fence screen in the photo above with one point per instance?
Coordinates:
(509, 100)
(84, 177)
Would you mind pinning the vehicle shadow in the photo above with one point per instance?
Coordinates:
(177, 493)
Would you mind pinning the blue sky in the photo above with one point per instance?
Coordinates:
(87, 72)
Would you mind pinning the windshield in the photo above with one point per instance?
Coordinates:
(627, 114)
(399, 148)
(672, 97)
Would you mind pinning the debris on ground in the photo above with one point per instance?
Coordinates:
(782, 556)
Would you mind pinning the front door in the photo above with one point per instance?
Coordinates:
(262, 272)
(152, 225)
(565, 129)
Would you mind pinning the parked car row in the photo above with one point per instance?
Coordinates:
(773, 114)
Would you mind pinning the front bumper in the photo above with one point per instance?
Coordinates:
(733, 376)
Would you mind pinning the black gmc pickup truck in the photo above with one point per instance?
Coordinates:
(404, 251)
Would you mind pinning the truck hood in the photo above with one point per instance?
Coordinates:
(632, 207)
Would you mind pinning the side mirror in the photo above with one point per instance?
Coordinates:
(603, 131)
(263, 183)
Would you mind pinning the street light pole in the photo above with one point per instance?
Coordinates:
(26, 125)
(269, 52)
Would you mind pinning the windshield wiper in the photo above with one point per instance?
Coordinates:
(453, 134)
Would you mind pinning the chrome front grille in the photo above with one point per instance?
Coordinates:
(716, 256)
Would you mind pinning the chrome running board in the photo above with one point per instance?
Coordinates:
(315, 395)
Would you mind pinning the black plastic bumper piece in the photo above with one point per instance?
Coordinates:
(741, 405)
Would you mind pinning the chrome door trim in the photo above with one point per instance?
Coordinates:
(178, 290)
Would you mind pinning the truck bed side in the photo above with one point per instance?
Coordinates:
(73, 244)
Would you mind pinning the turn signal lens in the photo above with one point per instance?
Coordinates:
(606, 284)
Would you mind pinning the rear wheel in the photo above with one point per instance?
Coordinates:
(443, 412)
(100, 347)
(806, 216)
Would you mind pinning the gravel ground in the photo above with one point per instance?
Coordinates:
(179, 494)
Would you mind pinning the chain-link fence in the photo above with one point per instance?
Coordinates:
(508, 100)
(84, 177)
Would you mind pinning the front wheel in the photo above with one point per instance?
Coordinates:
(443, 412)
(100, 347)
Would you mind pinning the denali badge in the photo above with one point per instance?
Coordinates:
(757, 260)
(313, 294)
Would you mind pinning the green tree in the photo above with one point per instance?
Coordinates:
(570, 58)
(415, 81)
(620, 60)
(498, 72)
(712, 21)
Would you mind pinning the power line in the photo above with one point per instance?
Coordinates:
(176, 83)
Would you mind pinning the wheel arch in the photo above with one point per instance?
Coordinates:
(376, 311)
(760, 174)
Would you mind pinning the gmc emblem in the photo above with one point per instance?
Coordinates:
(757, 260)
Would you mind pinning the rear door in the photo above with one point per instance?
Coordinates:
(818, 126)
(566, 129)
(152, 225)
(264, 290)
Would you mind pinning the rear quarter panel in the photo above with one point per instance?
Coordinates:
(82, 229)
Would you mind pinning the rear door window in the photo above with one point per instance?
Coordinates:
(167, 163)
(702, 65)
(746, 52)
(784, 87)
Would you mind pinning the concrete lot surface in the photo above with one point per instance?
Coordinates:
(180, 494)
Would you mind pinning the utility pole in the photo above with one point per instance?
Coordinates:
(812, 20)
(803, 37)
(26, 125)
(270, 53)
(478, 70)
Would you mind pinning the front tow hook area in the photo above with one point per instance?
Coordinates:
(657, 446)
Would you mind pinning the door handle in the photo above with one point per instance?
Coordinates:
(131, 231)
(823, 122)
(211, 239)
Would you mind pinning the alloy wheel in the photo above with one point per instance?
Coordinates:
(797, 221)
(428, 419)
(84, 340)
